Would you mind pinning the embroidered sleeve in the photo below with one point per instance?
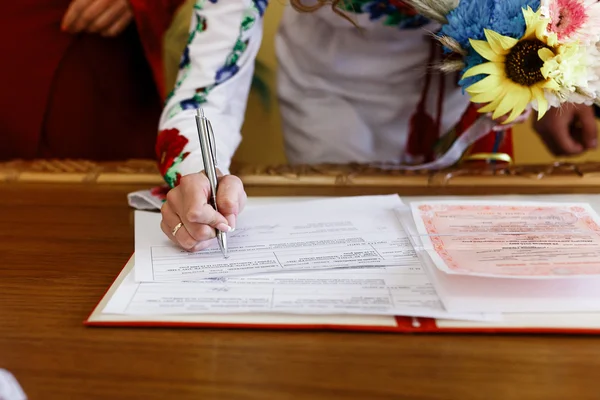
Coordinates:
(215, 72)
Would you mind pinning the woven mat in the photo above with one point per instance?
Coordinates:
(81, 171)
(146, 172)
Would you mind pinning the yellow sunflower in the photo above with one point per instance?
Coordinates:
(514, 70)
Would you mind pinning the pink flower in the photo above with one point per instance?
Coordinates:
(575, 20)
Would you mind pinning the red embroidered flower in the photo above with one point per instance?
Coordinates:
(160, 192)
(169, 146)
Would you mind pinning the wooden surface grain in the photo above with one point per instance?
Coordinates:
(61, 247)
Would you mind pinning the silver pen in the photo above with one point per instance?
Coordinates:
(209, 157)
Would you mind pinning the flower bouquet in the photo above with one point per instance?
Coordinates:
(517, 54)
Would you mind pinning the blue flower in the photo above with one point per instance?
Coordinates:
(418, 21)
(379, 8)
(226, 72)
(185, 58)
(471, 17)
(189, 104)
(261, 5)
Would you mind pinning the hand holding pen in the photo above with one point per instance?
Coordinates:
(208, 149)
(189, 217)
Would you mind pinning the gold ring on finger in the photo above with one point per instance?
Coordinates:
(177, 227)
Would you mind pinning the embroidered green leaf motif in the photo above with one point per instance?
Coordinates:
(183, 74)
(229, 69)
(174, 110)
(248, 21)
(394, 19)
(200, 27)
(238, 50)
(199, 4)
(354, 6)
(171, 175)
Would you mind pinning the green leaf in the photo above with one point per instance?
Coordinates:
(394, 19)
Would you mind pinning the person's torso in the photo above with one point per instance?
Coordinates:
(388, 45)
(72, 95)
(32, 46)
(373, 72)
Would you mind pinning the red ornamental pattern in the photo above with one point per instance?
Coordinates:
(169, 146)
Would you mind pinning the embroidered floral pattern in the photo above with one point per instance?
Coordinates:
(230, 67)
(261, 6)
(160, 192)
(390, 12)
(184, 62)
(169, 152)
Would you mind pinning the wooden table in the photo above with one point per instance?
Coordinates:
(61, 245)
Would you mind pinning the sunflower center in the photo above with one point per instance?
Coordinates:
(523, 64)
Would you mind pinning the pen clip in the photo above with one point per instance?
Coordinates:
(211, 142)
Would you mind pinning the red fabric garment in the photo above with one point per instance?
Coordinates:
(425, 142)
(494, 142)
(32, 46)
(80, 96)
(424, 130)
(153, 18)
(103, 104)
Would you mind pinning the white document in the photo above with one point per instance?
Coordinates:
(392, 291)
(311, 235)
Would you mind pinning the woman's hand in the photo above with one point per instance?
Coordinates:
(188, 204)
(106, 17)
(569, 130)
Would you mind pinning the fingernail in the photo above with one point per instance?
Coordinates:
(224, 228)
(231, 219)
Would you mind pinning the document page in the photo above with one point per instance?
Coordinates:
(311, 235)
(402, 291)
(510, 239)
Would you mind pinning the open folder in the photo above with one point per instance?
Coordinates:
(366, 298)
(572, 323)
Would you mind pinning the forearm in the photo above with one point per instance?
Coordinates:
(215, 73)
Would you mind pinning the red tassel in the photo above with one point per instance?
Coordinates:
(424, 131)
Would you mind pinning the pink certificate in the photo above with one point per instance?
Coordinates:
(510, 239)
